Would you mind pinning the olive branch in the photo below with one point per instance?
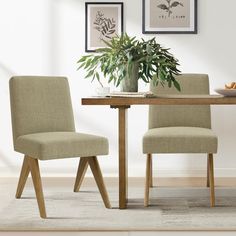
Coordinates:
(106, 26)
(170, 4)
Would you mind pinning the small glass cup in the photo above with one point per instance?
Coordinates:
(102, 91)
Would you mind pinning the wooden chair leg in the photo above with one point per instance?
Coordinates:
(151, 172)
(23, 177)
(208, 179)
(147, 182)
(211, 177)
(35, 173)
(94, 165)
(82, 168)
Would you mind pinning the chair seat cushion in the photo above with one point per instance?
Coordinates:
(180, 140)
(56, 145)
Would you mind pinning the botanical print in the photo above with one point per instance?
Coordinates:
(170, 16)
(169, 6)
(106, 26)
(169, 13)
(103, 24)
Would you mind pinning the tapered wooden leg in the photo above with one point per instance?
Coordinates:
(151, 171)
(82, 168)
(147, 182)
(35, 173)
(94, 165)
(211, 177)
(23, 177)
(208, 180)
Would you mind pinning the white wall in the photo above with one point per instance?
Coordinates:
(46, 37)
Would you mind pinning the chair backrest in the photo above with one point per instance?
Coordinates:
(182, 115)
(40, 104)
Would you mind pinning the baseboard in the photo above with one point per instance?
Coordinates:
(113, 172)
(139, 182)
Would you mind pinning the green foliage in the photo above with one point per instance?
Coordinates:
(116, 60)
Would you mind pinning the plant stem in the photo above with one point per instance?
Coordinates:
(169, 8)
(100, 83)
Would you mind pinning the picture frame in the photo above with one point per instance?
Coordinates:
(103, 20)
(169, 17)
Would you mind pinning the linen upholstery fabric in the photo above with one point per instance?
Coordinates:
(55, 145)
(40, 104)
(43, 122)
(181, 128)
(180, 140)
(182, 115)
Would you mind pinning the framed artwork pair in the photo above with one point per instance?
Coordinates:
(104, 20)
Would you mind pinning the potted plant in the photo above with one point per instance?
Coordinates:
(126, 59)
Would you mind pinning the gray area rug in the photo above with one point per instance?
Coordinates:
(171, 209)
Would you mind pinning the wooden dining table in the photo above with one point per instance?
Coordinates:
(123, 103)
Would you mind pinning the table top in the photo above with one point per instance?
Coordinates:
(161, 100)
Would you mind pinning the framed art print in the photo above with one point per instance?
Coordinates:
(170, 16)
(103, 20)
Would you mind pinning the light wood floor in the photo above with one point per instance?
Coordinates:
(160, 233)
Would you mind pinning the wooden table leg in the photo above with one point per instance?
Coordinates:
(123, 167)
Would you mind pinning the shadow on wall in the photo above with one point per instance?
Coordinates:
(54, 39)
(6, 70)
(5, 74)
(5, 160)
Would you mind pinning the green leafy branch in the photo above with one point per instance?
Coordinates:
(116, 60)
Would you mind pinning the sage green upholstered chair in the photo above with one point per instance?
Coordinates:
(43, 129)
(181, 128)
